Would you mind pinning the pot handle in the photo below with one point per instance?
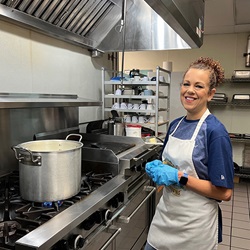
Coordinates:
(80, 137)
(35, 159)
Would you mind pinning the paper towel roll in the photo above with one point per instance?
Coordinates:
(167, 66)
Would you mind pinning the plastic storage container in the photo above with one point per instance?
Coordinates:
(133, 130)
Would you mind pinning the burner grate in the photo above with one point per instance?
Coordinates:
(19, 217)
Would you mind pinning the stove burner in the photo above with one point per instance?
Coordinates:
(91, 181)
(52, 203)
(8, 228)
(18, 217)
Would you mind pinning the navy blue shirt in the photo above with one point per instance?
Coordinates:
(212, 155)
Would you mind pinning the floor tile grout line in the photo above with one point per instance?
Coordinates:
(246, 189)
(233, 199)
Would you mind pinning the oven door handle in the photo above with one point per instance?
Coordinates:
(126, 219)
(110, 229)
(112, 237)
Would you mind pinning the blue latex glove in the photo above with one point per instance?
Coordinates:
(162, 174)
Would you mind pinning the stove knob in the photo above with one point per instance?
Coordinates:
(89, 222)
(108, 214)
(114, 202)
(120, 197)
(99, 216)
(61, 245)
(76, 241)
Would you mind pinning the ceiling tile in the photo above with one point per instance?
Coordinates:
(242, 8)
(219, 13)
(226, 16)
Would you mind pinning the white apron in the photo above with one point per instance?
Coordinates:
(184, 219)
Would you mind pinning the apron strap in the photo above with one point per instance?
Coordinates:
(204, 116)
(177, 125)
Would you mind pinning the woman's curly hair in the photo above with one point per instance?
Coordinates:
(216, 71)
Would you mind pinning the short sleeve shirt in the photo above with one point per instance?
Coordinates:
(212, 154)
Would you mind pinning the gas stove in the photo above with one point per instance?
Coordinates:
(99, 216)
(113, 184)
(19, 217)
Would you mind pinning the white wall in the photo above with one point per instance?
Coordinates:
(226, 48)
(34, 63)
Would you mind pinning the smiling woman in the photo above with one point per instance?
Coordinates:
(198, 86)
(196, 168)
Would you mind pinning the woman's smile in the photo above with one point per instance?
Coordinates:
(190, 99)
(195, 92)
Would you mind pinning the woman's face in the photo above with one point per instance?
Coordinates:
(195, 92)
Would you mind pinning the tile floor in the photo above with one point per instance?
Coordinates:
(236, 222)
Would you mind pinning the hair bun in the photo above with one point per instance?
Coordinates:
(209, 63)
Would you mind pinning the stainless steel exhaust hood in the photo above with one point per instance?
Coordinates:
(96, 25)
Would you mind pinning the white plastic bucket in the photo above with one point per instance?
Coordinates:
(133, 130)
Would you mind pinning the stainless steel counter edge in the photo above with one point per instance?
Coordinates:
(53, 230)
(22, 100)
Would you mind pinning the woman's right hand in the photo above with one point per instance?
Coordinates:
(162, 174)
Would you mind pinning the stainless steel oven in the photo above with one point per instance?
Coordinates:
(128, 231)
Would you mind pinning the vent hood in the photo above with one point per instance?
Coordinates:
(96, 25)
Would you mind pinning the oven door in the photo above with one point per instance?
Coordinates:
(129, 230)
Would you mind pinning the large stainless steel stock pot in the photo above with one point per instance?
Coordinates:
(49, 170)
